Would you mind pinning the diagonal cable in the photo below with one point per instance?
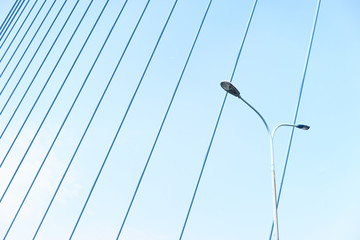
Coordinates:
(24, 52)
(14, 218)
(27, 67)
(17, 19)
(93, 27)
(7, 16)
(32, 58)
(22, 39)
(11, 19)
(67, 115)
(217, 121)
(54, 100)
(22, 24)
(7, 22)
(13, 176)
(297, 106)
(22, 11)
(85, 204)
(47, 81)
(162, 123)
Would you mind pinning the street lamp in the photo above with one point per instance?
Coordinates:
(230, 88)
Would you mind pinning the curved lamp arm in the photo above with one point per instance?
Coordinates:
(300, 126)
(281, 125)
(230, 88)
(262, 118)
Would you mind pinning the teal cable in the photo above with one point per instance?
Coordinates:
(22, 39)
(11, 19)
(22, 24)
(93, 186)
(7, 16)
(217, 122)
(33, 56)
(13, 176)
(22, 203)
(297, 107)
(27, 67)
(97, 20)
(16, 21)
(47, 81)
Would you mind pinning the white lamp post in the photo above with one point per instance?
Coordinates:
(230, 88)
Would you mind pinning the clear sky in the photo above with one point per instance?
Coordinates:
(320, 198)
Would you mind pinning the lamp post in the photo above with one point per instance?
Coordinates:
(230, 88)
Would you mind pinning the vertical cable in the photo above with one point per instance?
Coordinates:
(298, 105)
(22, 39)
(14, 218)
(33, 56)
(17, 19)
(29, 87)
(11, 19)
(217, 121)
(22, 24)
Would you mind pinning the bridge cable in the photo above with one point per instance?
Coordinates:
(163, 121)
(16, 21)
(137, 24)
(68, 74)
(11, 19)
(47, 81)
(60, 91)
(27, 67)
(24, 52)
(297, 107)
(7, 16)
(22, 39)
(22, 24)
(83, 16)
(217, 122)
(13, 176)
(129, 106)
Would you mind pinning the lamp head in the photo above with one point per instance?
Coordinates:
(303, 127)
(230, 88)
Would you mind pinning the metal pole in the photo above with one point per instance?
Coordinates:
(275, 213)
(230, 88)
(276, 226)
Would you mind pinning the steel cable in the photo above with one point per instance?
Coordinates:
(47, 81)
(11, 19)
(89, 195)
(22, 24)
(77, 27)
(22, 55)
(67, 115)
(7, 16)
(13, 176)
(17, 19)
(297, 107)
(27, 67)
(22, 39)
(14, 218)
(217, 121)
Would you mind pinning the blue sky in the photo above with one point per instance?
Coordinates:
(320, 196)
